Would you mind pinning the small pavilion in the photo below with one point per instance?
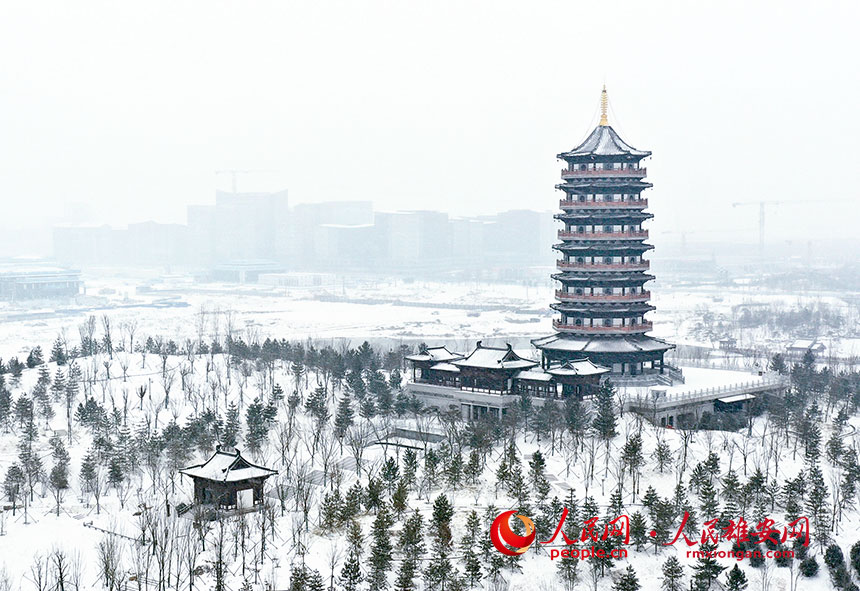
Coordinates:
(228, 481)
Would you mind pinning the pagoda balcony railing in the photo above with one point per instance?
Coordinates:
(574, 204)
(565, 235)
(615, 172)
(602, 297)
(638, 266)
(564, 327)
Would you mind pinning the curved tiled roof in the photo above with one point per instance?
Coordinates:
(604, 141)
(586, 345)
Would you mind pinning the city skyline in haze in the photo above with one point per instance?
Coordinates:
(457, 107)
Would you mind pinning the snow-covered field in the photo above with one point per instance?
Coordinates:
(301, 447)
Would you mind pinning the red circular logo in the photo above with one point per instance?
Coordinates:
(505, 540)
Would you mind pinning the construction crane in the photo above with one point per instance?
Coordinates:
(233, 172)
(762, 208)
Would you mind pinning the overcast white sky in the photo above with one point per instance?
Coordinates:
(460, 106)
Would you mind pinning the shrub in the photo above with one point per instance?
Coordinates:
(809, 567)
(833, 557)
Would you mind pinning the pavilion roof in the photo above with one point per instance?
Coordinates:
(604, 141)
(578, 367)
(434, 354)
(227, 466)
(495, 358)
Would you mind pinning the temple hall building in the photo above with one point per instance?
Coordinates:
(489, 380)
(602, 300)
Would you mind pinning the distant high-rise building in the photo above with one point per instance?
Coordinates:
(601, 298)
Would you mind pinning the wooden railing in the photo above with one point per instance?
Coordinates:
(640, 266)
(564, 235)
(574, 204)
(634, 172)
(602, 297)
(642, 327)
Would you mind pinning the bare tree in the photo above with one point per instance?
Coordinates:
(108, 338)
(62, 567)
(167, 379)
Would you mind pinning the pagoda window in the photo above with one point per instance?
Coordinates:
(607, 260)
(582, 197)
(607, 229)
(580, 260)
(607, 291)
(580, 229)
(578, 322)
(607, 322)
(578, 291)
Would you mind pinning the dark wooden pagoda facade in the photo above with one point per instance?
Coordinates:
(601, 298)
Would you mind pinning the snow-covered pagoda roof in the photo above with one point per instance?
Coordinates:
(586, 345)
(494, 358)
(578, 367)
(434, 354)
(227, 466)
(604, 141)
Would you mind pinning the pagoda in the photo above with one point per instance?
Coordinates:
(601, 298)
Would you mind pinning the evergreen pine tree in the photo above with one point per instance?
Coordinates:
(411, 546)
(627, 581)
(58, 386)
(381, 551)
(663, 455)
(736, 580)
(317, 404)
(673, 575)
(400, 497)
(58, 352)
(468, 545)
(258, 418)
(344, 418)
(707, 569)
(350, 574)
(817, 505)
(232, 426)
(638, 530)
(708, 500)
(604, 423)
(390, 474)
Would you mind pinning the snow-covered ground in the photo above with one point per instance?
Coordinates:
(411, 312)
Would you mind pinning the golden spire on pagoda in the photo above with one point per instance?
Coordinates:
(604, 105)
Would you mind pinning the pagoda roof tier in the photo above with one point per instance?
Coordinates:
(484, 357)
(632, 216)
(603, 249)
(596, 345)
(603, 141)
(602, 310)
(601, 186)
(630, 279)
